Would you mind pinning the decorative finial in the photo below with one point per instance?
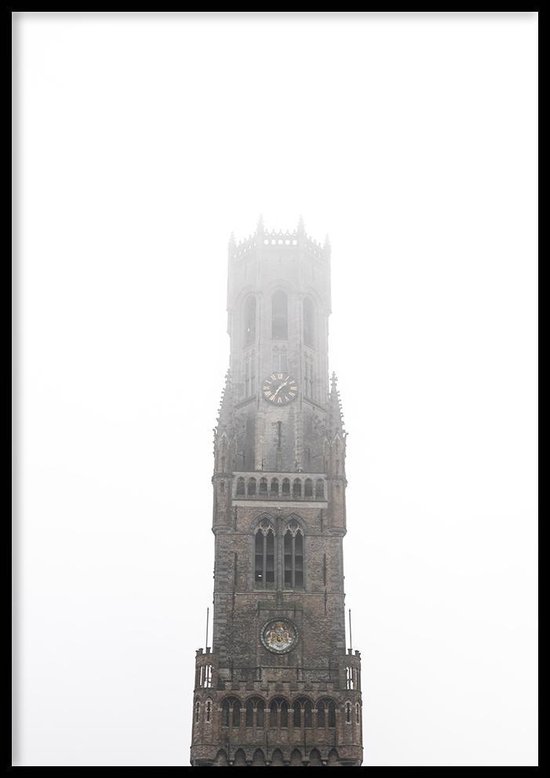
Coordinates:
(232, 239)
(301, 228)
(260, 225)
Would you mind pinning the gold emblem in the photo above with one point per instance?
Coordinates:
(279, 636)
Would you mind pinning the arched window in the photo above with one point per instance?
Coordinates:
(231, 712)
(249, 373)
(254, 716)
(296, 758)
(308, 376)
(274, 486)
(309, 323)
(321, 717)
(279, 316)
(236, 718)
(240, 485)
(326, 713)
(263, 485)
(331, 714)
(307, 710)
(286, 486)
(357, 713)
(208, 711)
(205, 676)
(249, 320)
(277, 758)
(221, 758)
(240, 759)
(258, 758)
(264, 556)
(197, 711)
(320, 488)
(297, 488)
(302, 712)
(251, 486)
(308, 488)
(293, 543)
(348, 712)
(315, 758)
(278, 712)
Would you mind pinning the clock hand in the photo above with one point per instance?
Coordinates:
(279, 388)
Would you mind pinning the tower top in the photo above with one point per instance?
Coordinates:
(281, 239)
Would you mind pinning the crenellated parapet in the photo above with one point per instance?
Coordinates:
(263, 237)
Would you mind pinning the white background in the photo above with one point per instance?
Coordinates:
(141, 143)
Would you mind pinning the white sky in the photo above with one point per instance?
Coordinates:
(141, 143)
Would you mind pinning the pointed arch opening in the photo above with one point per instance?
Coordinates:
(309, 322)
(249, 320)
(293, 552)
(279, 316)
(264, 556)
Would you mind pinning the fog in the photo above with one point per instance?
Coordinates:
(141, 142)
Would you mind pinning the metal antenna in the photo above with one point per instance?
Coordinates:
(207, 614)
(350, 639)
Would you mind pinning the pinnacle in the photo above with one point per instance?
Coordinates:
(225, 411)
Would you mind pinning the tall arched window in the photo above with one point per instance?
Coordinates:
(231, 712)
(249, 373)
(293, 543)
(249, 321)
(264, 556)
(278, 712)
(254, 716)
(309, 323)
(279, 316)
(302, 712)
(326, 713)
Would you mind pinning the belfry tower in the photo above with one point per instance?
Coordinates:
(278, 685)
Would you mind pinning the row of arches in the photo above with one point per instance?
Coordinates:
(279, 713)
(298, 488)
(296, 758)
(279, 319)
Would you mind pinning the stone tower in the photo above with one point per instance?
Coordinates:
(278, 685)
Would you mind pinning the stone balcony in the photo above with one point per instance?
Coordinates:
(260, 485)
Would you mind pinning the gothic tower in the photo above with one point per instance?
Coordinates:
(278, 685)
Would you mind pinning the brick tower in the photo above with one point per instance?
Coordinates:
(278, 686)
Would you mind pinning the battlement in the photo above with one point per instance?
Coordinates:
(267, 239)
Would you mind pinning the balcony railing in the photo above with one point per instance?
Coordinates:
(271, 486)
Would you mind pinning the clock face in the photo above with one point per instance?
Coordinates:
(279, 636)
(279, 388)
